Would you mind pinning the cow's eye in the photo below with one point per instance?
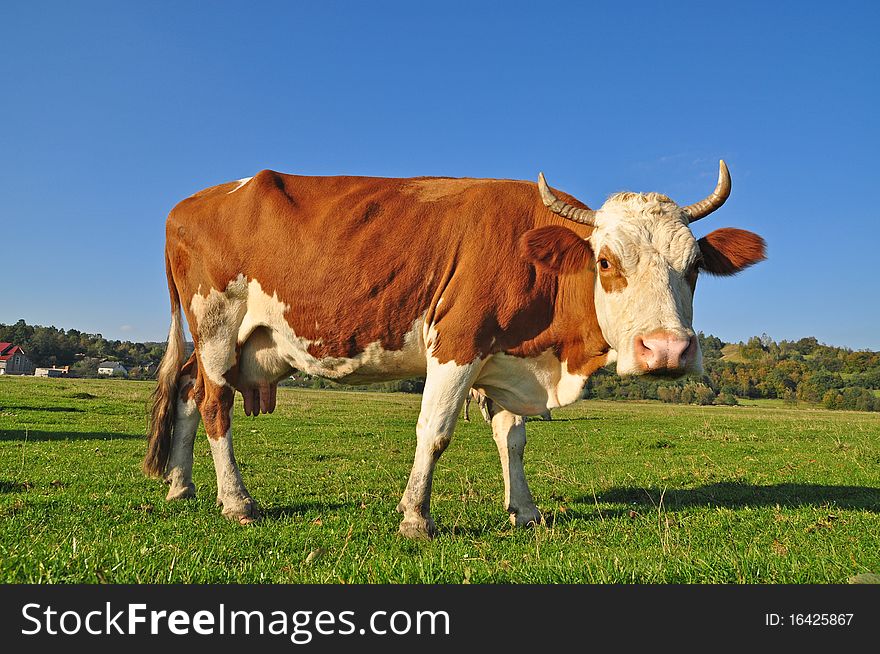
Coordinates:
(604, 264)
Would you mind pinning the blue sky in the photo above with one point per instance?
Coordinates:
(112, 112)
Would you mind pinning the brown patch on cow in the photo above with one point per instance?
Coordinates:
(610, 271)
(363, 258)
(188, 370)
(212, 190)
(431, 189)
(571, 330)
(568, 323)
(215, 405)
(556, 249)
(727, 251)
(191, 367)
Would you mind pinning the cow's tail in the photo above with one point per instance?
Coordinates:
(164, 400)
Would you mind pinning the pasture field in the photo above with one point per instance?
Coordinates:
(632, 492)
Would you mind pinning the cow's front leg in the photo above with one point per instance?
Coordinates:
(509, 432)
(216, 409)
(446, 387)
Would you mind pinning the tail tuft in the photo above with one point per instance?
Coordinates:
(164, 399)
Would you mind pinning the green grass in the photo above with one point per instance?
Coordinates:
(632, 492)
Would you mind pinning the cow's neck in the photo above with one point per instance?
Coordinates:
(574, 333)
(577, 337)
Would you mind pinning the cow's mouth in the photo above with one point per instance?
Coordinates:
(668, 373)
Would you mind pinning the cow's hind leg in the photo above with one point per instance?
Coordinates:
(186, 423)
(215, 404)
(446, 387)
(509, 432)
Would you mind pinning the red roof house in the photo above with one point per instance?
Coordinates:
(13, 360)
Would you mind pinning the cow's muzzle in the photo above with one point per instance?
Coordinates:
(666, 352)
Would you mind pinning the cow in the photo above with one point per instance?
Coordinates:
(510, 287)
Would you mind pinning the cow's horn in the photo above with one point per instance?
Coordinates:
(582, 216)
(702, 208)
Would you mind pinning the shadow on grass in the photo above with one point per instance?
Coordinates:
(48, 409)
(7, 486)
(32, 435)
(734, 495)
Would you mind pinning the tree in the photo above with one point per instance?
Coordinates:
(832, 400)
(726, 398)
(687, 394)
(86, 367)
(703, 395)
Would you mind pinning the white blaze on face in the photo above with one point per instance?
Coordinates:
(652, 248)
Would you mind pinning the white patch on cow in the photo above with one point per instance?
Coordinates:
(218, 317)
(655, 248)
(375, 363)
(241, 182)
(509, 433)
(446, 387)
(244, 314)
(569, 388)
(180, 459)
(231, 492)
(529, 387)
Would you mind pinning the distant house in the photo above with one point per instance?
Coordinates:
(52, 372)
(110, 368)
(13, 361)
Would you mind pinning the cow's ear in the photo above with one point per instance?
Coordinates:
(727, 251)
(556, 249)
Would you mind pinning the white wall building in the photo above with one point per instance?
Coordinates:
(110, 368)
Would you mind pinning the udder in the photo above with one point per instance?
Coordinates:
(260, 368)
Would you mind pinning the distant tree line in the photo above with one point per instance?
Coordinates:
(50, 346)
(793, 371)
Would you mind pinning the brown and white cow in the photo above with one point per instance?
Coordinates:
(505, 286)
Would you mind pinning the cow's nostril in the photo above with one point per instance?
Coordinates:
(687, 349)
(646, 353)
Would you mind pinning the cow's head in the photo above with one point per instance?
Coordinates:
(647, 261)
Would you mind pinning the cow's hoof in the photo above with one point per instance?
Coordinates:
(181, 492)
(526, 518)
(245, 511)
(418, 528)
